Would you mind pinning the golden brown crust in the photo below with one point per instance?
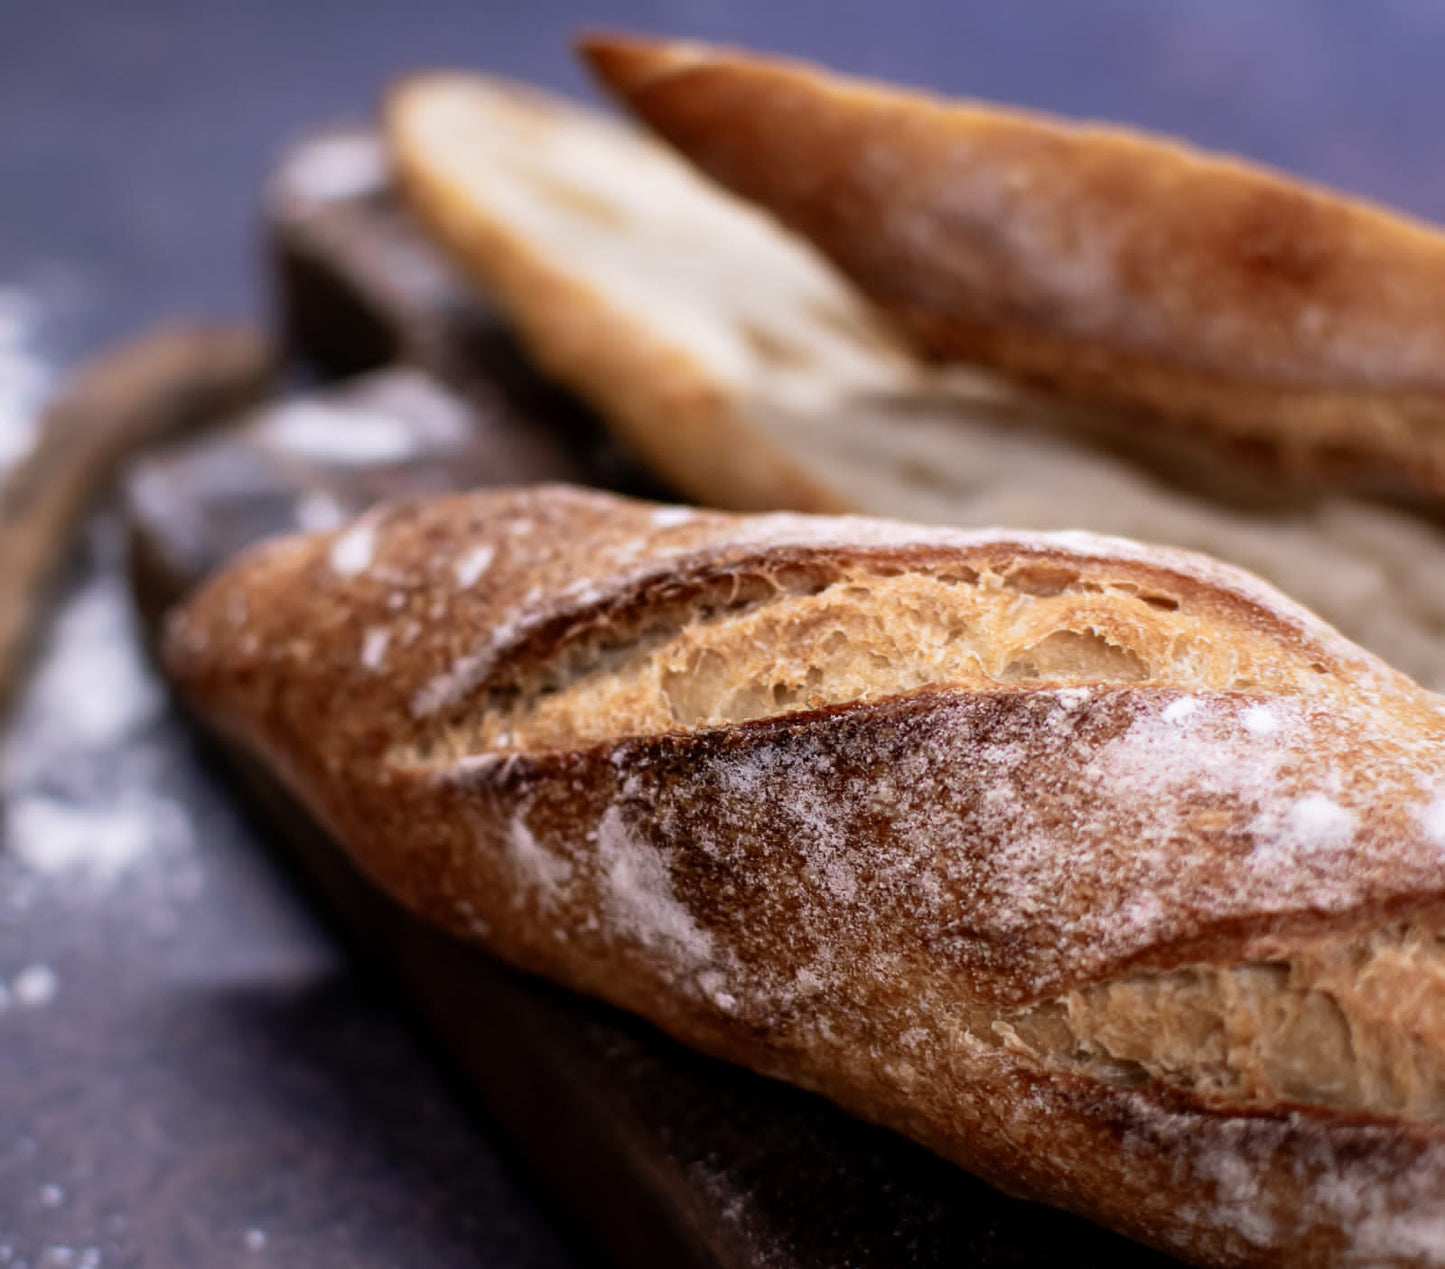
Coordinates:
(1113, 267)
(852, 896)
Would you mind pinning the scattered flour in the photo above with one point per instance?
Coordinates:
(473, 564)
(25, 376)
(1400, 1237)
(51, 1195)
(639, 895)
(336, 168)
(34, 986)
(538, 870)
(318, 511)
(1318, 823)
(341, 436)
(373, 647)
(1237, 1193)
(255, 1240)
(1178, 711)
(671, 517)
(352, 552)
(84, 786)
(1260, 721)
(54, 836)
(59, 1256)
(1432, 820)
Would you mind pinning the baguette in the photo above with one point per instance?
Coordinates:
(732, 360)
(1115, 267)
(1103, 870)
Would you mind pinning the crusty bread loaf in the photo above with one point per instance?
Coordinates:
(729, 357)
(1119, 268)
(1103, 870)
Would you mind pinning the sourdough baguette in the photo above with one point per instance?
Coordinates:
(1103, 870)
(728, 356)
(1116, 267)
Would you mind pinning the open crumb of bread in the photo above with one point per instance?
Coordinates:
(765, 642)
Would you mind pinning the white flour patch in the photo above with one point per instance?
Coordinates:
(34, 986)
(538, 870)
(473, 564)
(1397, 1237)
(671, 517)
(1237, 1194)
(318, 512)
(341, 436)
(1318, 823)
(91, 686)
(338, 167)
(56, 837)
(84, 788)
(353, 551)
(373, 647)
(445, 688)
(639, 896)
(25, 376)
(1260, 721)
(1178, 711)
(1432, 820)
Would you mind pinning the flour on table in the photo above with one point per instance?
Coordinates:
(34, 986)
(318, 511)
(84, 789)
(25, 376)
(336, 168)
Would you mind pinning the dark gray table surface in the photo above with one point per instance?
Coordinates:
(191, 1071)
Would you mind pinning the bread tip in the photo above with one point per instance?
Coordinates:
(627, 63)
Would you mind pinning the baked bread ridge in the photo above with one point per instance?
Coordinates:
(896, 901)
(621, 269)
(1118, 268)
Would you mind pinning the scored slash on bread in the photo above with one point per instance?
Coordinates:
(728, 356)
(1116, 267)
(1103, 870)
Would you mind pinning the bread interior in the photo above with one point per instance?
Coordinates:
(1357, 1025)
(770, 639)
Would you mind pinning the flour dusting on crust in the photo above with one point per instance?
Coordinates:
(869, 896)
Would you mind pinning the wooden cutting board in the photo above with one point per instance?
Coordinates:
(665, 1157)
